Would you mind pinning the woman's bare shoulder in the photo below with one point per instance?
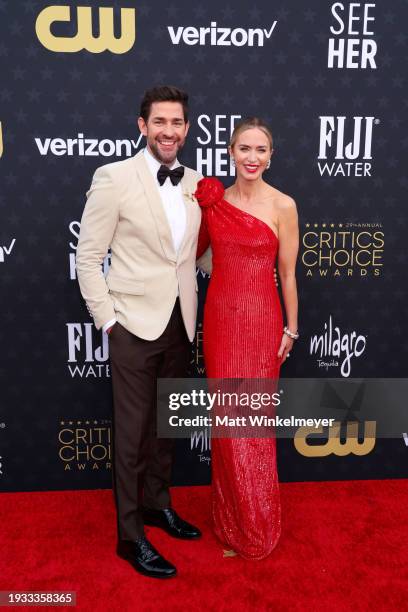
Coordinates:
(280, 200)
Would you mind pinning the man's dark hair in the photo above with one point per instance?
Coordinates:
(167, 93)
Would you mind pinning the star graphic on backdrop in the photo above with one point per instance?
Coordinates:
(255, 13)
(295, 38)
(172, 11)
(267, 79)
(62, 96)
(310, 16)
(146, 54)
(158, 33)
(254, 57)
(213, 78)
(320, 80)
(281, 58)
(34, 95)
(144, 10)
(186, 77)
(103, 75)
(49, 116)
(385, 60)
(253, 100)
(228, 12)
(398, 82)
(200, 56)
(47, 73)
(200, 11)
(227, 56)
(283, 14)
(75, 74)
(132, 76)
(240, 78)
(308, 58)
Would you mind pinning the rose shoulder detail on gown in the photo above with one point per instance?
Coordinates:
(209, 191)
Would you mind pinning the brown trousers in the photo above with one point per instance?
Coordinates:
(141, 461)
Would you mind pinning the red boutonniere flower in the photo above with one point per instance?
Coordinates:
(209, 191)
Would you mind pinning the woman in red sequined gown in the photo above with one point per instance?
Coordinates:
(249, 228)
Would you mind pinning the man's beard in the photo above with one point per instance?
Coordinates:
(164, 159)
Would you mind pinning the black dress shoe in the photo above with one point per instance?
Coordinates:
(145, 558)
(169, 520)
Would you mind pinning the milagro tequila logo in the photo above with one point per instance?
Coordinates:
(200, 442)
(337, 349)
(346, 144)
(352, 45)
(88, 351)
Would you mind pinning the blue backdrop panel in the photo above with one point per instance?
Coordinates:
(326, 75)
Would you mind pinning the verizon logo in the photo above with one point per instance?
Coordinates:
(220, 37)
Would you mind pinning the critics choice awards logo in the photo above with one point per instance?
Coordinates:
(351, 44)
(335, 348)
(85, 444)
(342, 249)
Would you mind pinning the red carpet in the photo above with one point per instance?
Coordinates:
(343, 547)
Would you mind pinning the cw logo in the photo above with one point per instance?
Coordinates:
(333, 445)
(84, 38)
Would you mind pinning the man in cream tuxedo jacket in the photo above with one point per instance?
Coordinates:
(143, 208)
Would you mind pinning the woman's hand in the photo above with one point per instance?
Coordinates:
(285, 347)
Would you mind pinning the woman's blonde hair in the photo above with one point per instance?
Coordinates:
(248, 124)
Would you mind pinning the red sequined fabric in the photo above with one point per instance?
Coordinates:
(242, 334)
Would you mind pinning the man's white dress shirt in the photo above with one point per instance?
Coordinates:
(173, 204)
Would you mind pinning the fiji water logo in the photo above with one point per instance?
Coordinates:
(345, 145)
(337, 349)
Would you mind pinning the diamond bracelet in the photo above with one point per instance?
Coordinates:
(293, 336)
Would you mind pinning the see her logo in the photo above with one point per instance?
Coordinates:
(351, 47)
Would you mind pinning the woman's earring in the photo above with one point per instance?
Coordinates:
(233, 161)
(268, 165)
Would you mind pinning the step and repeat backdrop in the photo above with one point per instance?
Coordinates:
(327, 76)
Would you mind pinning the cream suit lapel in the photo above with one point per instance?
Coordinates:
(189, 204)
(156, 206)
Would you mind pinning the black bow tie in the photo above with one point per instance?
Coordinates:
(175, 175)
